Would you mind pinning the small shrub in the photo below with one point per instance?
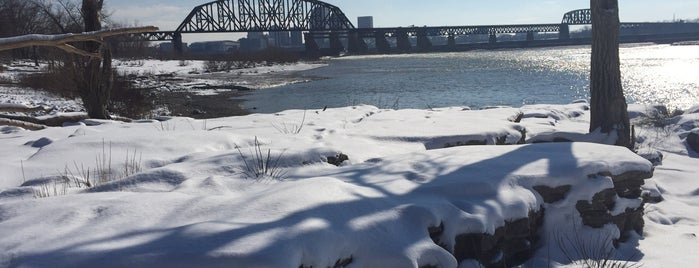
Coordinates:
(50, 189)
(130, 101)
(102, 173)
(592, 252)
(55, 80)
(285, 128)
(657, 127)
(259, 165)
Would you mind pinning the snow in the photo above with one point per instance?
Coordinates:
(172, 192)
(185, 67)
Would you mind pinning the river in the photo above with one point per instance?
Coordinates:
(650, 73)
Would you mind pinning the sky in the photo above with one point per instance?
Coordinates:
(168, 14)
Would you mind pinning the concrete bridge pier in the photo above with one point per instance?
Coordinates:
(356, 44)
(493, 39)
(177, 43)
(451, 41)
(530, 36)
(312, 47)
(382, 45)
(336, 44)
(403, 41)
(423, 42)
(564, 34)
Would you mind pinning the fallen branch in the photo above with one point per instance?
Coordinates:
(62, 41)
(22, 124)
(54, 121)
(22, 109)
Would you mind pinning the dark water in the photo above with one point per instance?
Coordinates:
(651, 74)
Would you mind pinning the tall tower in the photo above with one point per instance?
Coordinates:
(365, 22)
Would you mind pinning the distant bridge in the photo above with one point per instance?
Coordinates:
(320, 20)
(237, 16)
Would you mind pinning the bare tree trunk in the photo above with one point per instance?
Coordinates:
(608, 105)
(96, 86)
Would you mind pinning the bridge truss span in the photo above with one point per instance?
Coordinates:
(224, 16)
(578, 17)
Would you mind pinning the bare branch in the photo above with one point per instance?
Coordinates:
(61, 41)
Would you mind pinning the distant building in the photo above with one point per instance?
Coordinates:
(365, 22)
(214, 47)
(281, 39)
(255, 41)
(256, 35)
(168, 47)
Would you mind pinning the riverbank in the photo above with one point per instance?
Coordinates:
(168, 88)
(187, 88)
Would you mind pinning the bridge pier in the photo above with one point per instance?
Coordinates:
(382, 45)
(451, 41)
(564, 34)
(530, 36)
(493, 39)
(423, 42)
(355, 43)
(177, 44)
(403, 41)
(336, 44)
(312, 48)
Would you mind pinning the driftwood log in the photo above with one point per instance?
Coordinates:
(62, 41)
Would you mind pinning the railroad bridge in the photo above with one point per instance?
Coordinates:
(323, 21)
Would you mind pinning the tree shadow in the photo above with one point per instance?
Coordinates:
(385, 225)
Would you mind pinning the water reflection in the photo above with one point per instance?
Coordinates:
(650, 74)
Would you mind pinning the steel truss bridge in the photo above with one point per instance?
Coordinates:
(320, 20)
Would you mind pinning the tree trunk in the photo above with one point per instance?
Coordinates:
(608, 105)
(96, 84)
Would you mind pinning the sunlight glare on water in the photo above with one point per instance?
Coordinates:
(662, 74)
(654, 74)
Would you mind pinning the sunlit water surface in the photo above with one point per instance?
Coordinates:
(651, 74)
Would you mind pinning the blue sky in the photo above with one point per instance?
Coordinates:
(167, 14)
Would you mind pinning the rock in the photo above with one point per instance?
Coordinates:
(693, 140)
(651, 193)
(338, 159)
(596, 214)
(628, 185)
(552, 195)
(511, 244)
(630, 220)
(40, 143)
(654, 156)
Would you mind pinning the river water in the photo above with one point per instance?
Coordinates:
(651, 74)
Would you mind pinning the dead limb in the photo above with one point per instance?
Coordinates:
(62, 41)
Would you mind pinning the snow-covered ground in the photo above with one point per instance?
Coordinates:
(259, 76)
(184, 67)
(178, 192)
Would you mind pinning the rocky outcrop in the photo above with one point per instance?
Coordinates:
(552, 195)
(598, 212)
(511, 245)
